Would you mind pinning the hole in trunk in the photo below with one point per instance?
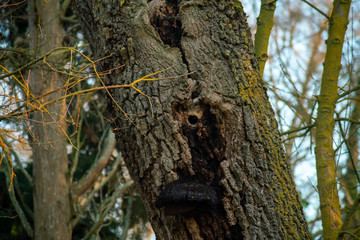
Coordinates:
(193, 119)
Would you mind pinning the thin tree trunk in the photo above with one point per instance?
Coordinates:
(203, 148)
(51, 184)
(325, 158)
(265, 22)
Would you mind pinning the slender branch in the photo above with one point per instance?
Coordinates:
(298, 129)
(350, 156)
(21, 214)
(324, 150)
(29, 64)
(117, 162)
(67, 86)
(92, 174)
(16, 113)
(17, 160)
(348, 92)
(316, 9)
(348, 217)
(347, 119)
(75, 159)
(41, 106)
(16, 205)
(127, 219)
(116, 195)
(22, 201)
(17, 50)
(71, 19)
(64, 7)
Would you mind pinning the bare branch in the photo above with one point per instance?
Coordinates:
(64, 6)
(349, 91)
(350, 156)
(16, 205)
(127, 219)
(17, 160)
(117, 162)
(298, 129)
(348, 217)
(116, 195)
(316, 9)
(92, 174)
(75, 159)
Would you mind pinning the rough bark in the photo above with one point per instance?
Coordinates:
(211, 133)
(51, 184)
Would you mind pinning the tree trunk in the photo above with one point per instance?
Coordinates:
(265, 22)
(203, 149)
(51, 184)
(325, 156)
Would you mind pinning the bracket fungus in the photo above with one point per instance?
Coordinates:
(186, 198)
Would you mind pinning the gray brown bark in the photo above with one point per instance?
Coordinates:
(50, 170)
(212, 130)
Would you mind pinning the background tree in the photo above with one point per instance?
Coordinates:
(294, 78)
(325, 157)
(50, 164)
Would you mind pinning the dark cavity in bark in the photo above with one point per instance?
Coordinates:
(163, 17)
(198, 191)
(202, 128)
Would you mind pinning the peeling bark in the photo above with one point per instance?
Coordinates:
(213, 127)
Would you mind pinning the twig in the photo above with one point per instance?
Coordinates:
(318, 10)
(131, 85)
(350, 155)
(28, 64)
(349, 91)
(17, 160)
(347, 119)
(75, 159)
(298, 129)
